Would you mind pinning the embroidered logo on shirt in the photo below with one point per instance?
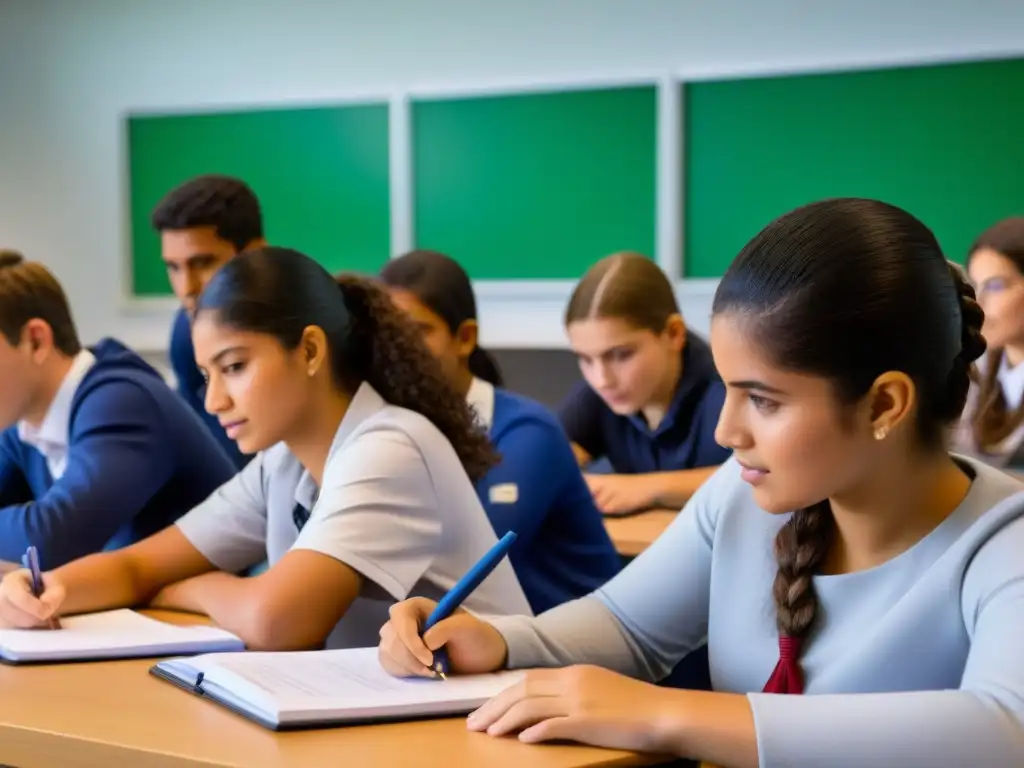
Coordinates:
(506, 493)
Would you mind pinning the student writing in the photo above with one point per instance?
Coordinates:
(842, 553)
(537, 490)
(203, 223)
(97, 452)
(993, 422)
(360, 492)
(651, 396)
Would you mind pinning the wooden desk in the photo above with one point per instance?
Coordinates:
(114, 713)
(633, 534)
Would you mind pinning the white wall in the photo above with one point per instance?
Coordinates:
(69, 70)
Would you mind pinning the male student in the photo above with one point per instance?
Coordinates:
(203, 223)
(96, 451)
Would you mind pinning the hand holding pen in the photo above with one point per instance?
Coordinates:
(427, 639)
(31, 562)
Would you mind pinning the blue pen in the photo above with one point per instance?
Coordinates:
(463, 589)
(31, 562)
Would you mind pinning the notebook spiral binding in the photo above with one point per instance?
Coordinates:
(197, 686)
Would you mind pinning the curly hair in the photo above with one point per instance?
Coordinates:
(387, 351)
(281, 292)
(223, 202)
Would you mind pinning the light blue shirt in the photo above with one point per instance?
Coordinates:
(916, 662)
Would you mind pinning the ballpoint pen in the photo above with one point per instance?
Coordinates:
(31, 562)
(463, 589)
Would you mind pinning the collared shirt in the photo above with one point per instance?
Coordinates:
(685, 437)
(1011, 379)
(481, 399)
(395, 505)
(1007, 452)
(51, 437)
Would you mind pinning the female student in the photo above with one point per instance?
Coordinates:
(893, 594)
(651, 396)
(993, 423)
(361, 494)
(563, 550)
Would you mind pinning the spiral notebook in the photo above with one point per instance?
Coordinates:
(320, 689)
(121, 634)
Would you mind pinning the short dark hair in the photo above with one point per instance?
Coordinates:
(849, 289)
(29, 291)
(443, 286)
(992, 421)
(223, 202)
(627, 286)
(280, 292)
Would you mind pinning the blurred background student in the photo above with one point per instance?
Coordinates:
(651, 396)
(537, 489)
(203, 223)
(992, 424)
(97, 452)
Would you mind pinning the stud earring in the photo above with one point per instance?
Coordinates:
(880, 433)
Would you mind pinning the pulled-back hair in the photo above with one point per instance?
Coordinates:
(29, 291)
(223, 202)
(626, 286)
(992, 421)
(443, 287)
(280, 292)
(849, 289)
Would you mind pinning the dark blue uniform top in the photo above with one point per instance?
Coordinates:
(685, 438)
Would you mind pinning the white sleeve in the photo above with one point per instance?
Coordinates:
(230, 527)
(377, 511)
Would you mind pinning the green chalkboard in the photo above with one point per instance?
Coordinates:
(321, 176)
(944, 142)
(537, 185)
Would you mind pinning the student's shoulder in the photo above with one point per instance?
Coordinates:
(512, 409)
(990, 549)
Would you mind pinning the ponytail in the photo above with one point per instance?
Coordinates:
(385, 350)
(483, 365)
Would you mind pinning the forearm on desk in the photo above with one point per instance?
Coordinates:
(100, 582)
(225, 598)
(716, 729)
(673, 489)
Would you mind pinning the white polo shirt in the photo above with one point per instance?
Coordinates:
(396, 506)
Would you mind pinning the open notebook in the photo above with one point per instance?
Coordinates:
(119, 634)
(307, 689)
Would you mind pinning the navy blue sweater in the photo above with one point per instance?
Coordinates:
(192, 386)
(563, 550)
(138, 458)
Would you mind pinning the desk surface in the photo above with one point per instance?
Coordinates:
(115, 713)
(633, 534)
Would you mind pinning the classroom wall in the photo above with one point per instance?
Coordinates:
(70, 71)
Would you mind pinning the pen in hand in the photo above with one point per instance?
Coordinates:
(457, 594)
(31, 562)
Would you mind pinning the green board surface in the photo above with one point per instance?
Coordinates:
(321, 176)
(943, 142)
(536, 186)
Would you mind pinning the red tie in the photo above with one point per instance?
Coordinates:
(787, 677)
